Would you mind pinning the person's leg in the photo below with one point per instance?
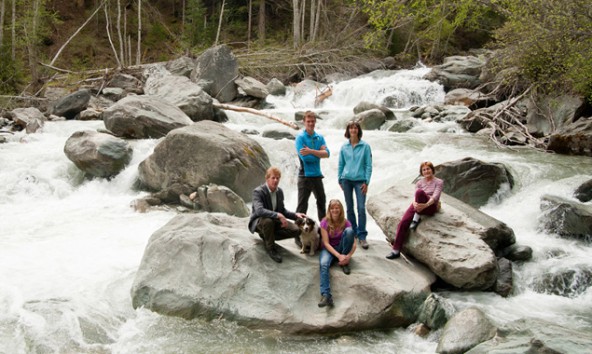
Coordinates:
(304, 191)
(402, 228)
(290, 231)
(421, 197)
(348, 194)
(347, 241)
(324, 264)
(318, 190)
(266, 229)
(361, 204)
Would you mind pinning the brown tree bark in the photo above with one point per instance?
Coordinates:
(261, 22)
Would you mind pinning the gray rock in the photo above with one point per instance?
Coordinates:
(72, 104)
(89, 114)
(98, 154)
(532, 336)
(31, 119)
(113, 93)
(182, 66)
(403, 125)
(366, 106)
(370, 120)
(584, 192)
(434, 312)
(215, 70)
(503, 285)
(182, 93)
(252, 87)
(548, 114)
(278, 134)
(275, 87)
(516, 253)
(203, 153)
(468, 98)
(473, 181)
(456, 243)
(566, 218)
(573, 139)
(464, 331)
(210, 266)
(220, 199)
(126, 82)
(143, 117)
(568, 282)
(457, 72)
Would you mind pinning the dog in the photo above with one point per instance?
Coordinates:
(310, 235)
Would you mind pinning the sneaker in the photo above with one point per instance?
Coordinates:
(326, 301)
(346, 269)
(298, 242)
(393, 255)
(414, 224)
(274, 254)
(364, 244)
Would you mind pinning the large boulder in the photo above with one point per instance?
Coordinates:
(31, 119)
(566, 218)
(211, 266)
(219, 199)
(549, 114)
(465, 330)
(252, 87)
(535, 336)
(71, 105)
(456, 243)
(457, 72)
(182, 93)
(215, 71)
(182, 66)
(474, 181)
(98, 154)
(372, 119)
(202, 153)
(127, 82)
(143, 117)
(573, 139)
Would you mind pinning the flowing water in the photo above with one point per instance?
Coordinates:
(69, 246)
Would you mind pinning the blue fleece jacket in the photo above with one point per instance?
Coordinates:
(355, 163)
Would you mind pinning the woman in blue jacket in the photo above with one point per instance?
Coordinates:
(354, 172)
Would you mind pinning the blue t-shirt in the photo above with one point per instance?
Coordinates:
(310, 165)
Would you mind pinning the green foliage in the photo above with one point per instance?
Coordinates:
(550, 42)
(10, 73)
(431, 26)
(199, 28)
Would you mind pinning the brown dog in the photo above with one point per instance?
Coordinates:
(309, 235)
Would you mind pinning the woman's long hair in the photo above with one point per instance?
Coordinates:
(337, 224)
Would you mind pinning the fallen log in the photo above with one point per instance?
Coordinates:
(256, 112)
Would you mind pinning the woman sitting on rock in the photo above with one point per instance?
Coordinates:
(337, 244)
(427, 197)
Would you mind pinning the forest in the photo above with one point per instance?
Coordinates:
(547, 44)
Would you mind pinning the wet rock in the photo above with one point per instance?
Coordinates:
(464, 331)
(203, 153)
(278, 134)
(98, 154)
(573, 139)
(209, 266)
(503, 285)
(473, 181)
(566, 218)
(570, 282)
(584, 192)
(403, 125)
(366, 106)
(140, 117)
(71, 105)
(434, 312)
(516, 253)
(370, 120)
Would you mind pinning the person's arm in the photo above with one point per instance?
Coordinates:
(308, 153)
(328, 247)
(367, 168)
(259, 208)
(341, 166)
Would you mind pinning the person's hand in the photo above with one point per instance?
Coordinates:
(344, 259)
(283, 220)
(364, 188)
(306, 151)
(301, 215)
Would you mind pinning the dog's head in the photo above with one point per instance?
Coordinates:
(305, 224)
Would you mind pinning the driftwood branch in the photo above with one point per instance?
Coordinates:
(256, 112)
(57, 69)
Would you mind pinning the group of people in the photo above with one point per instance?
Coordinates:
(269, 216)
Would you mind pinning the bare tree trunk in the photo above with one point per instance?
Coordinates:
(75, 33)
(31, 42)
(312, 19)
(256, 112)
(126, 37)
(296, 22)
(119, 35)
(1, 23)
(317, 20)
(13, 30)
(261, 22)
(109, 36)
(248, 26)
(139, 51)
(220, 22)
(183, 6)
(302, 22)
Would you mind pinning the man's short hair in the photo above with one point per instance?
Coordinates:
(273, 171)
(309, 114)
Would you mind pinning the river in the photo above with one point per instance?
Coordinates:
(70, 247)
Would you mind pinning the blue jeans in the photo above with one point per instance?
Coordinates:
(349, 187)
(326, 259)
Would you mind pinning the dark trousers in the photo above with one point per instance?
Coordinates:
(271, 230)
(403, 228)
(314, 185)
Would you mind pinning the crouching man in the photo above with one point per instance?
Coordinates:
(269, 217)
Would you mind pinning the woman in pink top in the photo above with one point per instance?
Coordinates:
(427, 196)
